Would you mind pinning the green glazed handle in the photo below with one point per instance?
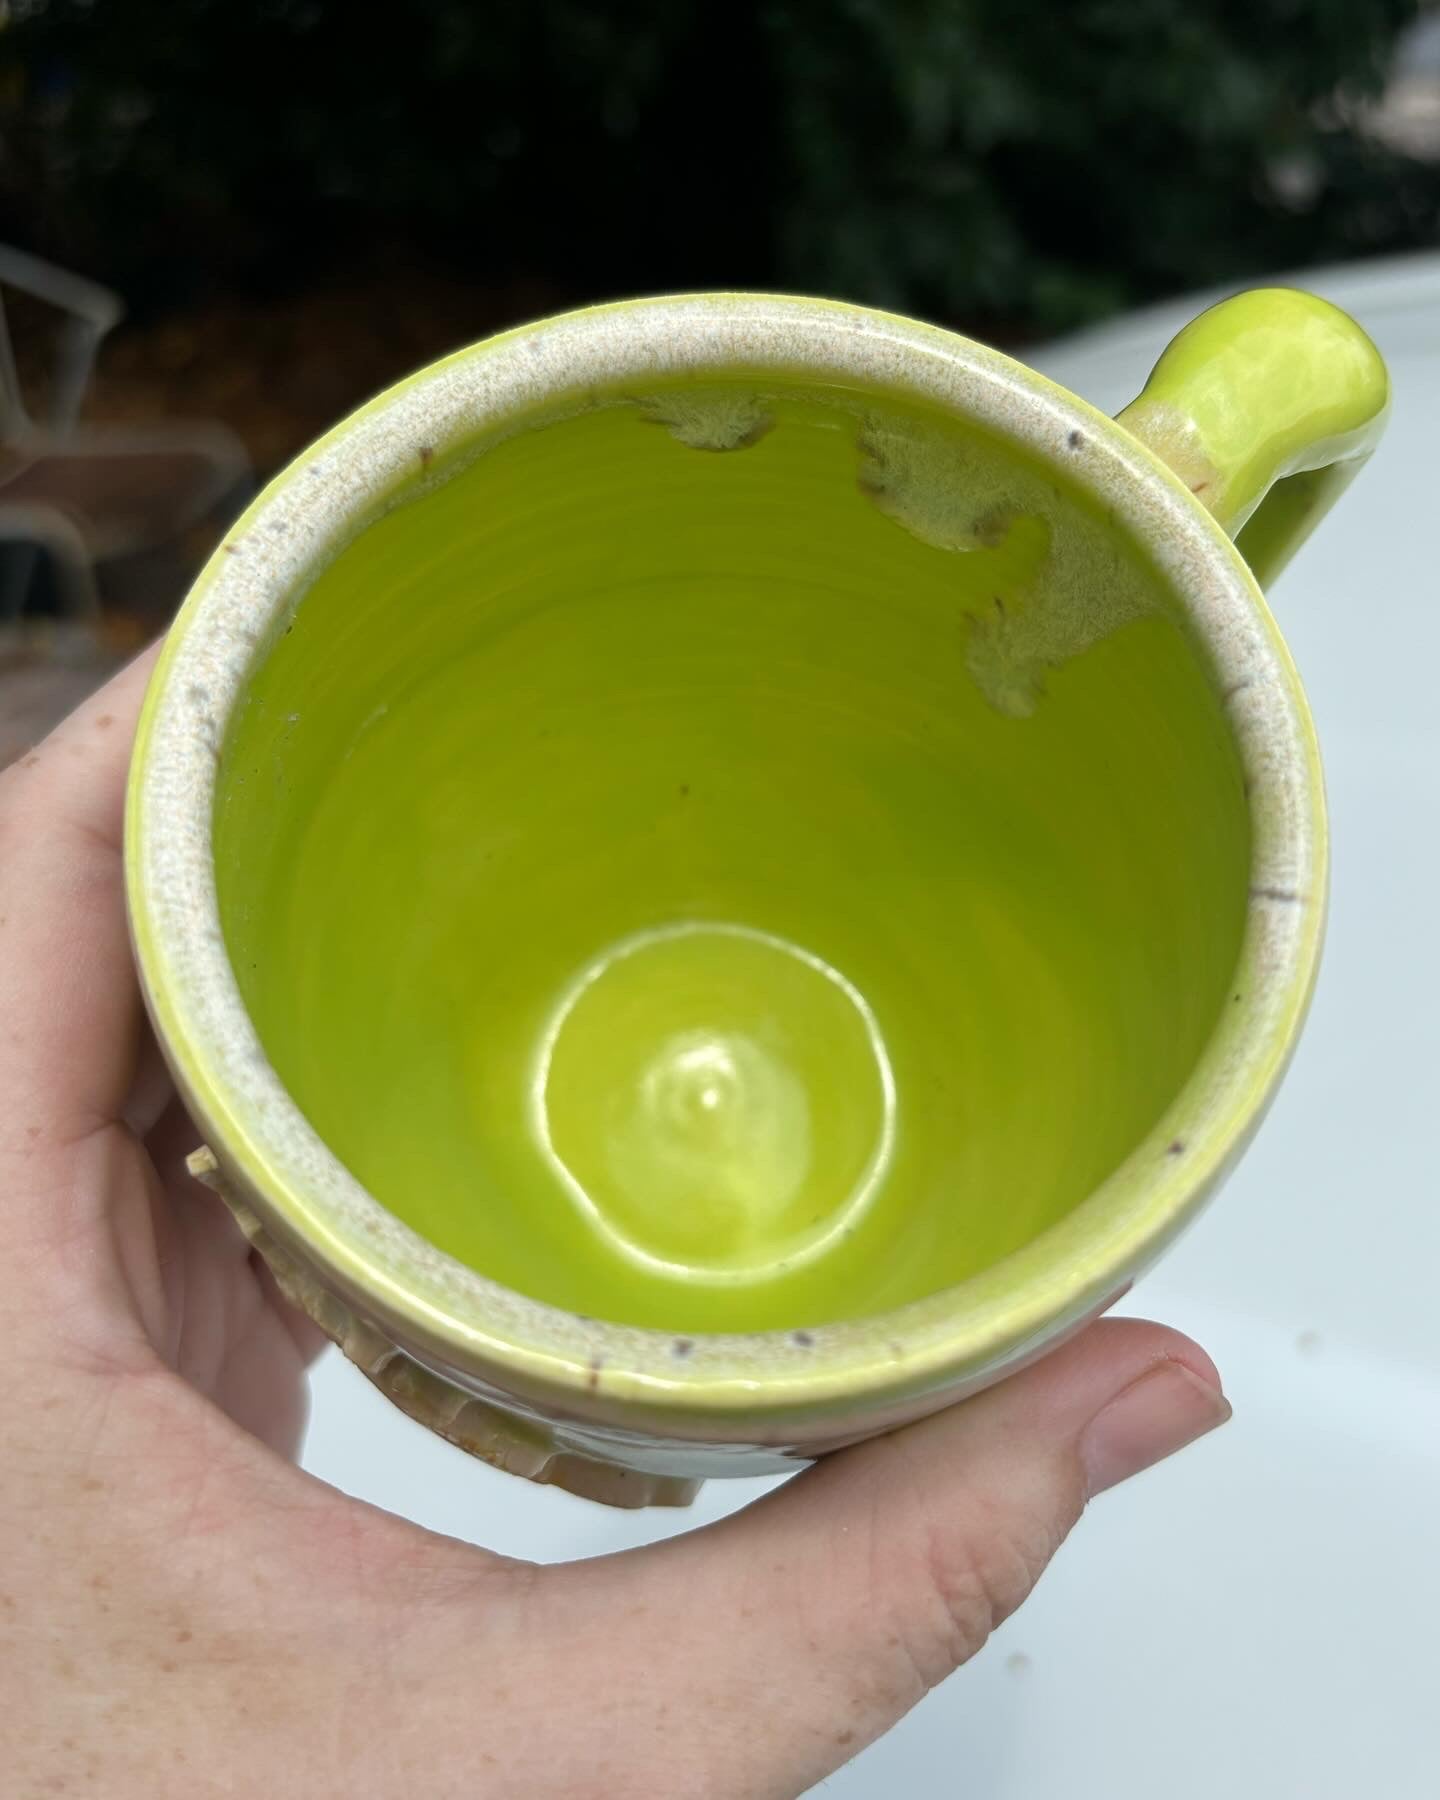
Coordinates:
(1266, 407)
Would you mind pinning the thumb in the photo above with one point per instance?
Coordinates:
(809, 1623)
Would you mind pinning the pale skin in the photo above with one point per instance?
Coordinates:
(184, 1612)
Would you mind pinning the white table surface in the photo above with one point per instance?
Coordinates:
(1257, 1617)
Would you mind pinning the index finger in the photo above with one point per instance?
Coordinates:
(70, 1010)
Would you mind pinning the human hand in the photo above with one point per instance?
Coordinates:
(184, 1612)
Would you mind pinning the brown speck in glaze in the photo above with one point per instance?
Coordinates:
(802, 1338)
(1198, 487)
(231, 549)
(1235, 687)
(426, 453)
(992, 528)
(1176, 1147)
(592, 1380)
(682, 1346)
(1076, 440)
(1286, 896)
(105, 721)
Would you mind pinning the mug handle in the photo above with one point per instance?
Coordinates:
(1266, 407)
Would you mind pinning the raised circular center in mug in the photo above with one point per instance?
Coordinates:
(715, 1099)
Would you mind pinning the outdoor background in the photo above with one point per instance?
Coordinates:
(299, 200)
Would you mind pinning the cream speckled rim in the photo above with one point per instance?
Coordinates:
(445, 1310)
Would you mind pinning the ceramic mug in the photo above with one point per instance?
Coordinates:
(719, 873)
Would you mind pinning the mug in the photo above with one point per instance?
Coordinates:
(719, 873)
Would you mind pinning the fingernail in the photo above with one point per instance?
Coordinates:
(1166, 1409)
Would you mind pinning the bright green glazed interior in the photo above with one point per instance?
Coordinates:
(733, 857)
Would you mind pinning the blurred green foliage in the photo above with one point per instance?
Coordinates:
(1011, 164)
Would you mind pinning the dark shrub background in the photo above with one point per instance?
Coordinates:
(299, 199)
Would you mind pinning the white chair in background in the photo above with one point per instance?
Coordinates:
(74, 496)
